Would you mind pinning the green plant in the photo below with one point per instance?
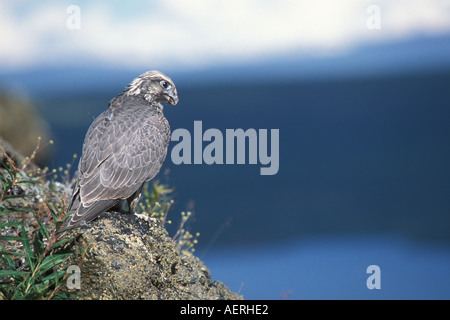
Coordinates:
(35, 271)
(157, 203)
(31, 257)
(184, 240)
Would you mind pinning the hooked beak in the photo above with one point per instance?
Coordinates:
(173, 97)
(173, 100)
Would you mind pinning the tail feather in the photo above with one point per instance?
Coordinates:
(88, 213)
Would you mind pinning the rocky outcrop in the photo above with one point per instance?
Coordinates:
(129, 257)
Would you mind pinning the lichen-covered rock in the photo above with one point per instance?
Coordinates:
(134, 258)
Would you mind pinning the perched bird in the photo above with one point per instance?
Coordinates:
(124, 147)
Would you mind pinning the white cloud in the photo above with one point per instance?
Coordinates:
(202, 32)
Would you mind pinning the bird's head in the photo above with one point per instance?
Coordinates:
(154, 86)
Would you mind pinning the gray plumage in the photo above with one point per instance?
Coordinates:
(124, 147)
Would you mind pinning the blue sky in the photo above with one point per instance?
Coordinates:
(199, 34)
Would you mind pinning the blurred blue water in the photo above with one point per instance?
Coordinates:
(334, 268)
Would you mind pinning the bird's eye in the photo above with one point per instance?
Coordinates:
(165, 84)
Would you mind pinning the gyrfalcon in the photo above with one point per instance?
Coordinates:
(124, 147)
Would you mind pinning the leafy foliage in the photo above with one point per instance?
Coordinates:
(157, 201)
(31, 257)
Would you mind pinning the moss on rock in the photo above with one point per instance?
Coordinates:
(134, 258)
